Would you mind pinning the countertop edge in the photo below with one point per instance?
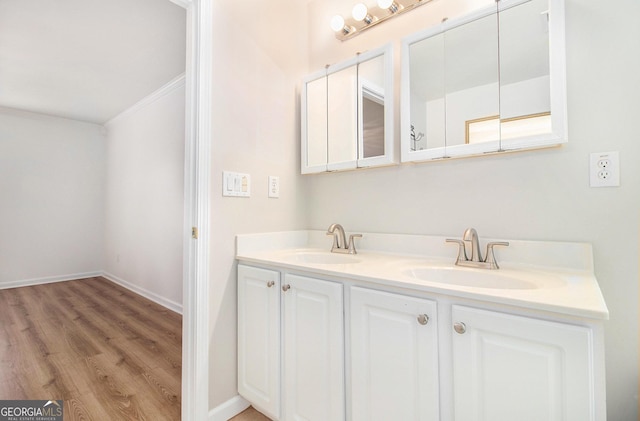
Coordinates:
(597, 310)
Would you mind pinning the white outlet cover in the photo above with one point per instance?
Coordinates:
(274, 186)
(604, 169)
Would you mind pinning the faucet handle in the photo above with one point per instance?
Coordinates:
(352, 243)
(490, 257)
(462, 250)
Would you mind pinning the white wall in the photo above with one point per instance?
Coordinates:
(539, 195)
(51, 198)
(259, 57)
(144, 196)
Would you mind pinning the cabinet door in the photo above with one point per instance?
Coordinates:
(259, 338)
(342, 127)
(313, 350)
(314, 124)
(394, 357)
(347, 114)
(515, 368)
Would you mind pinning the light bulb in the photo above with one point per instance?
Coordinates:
(359, 11)
(391, 5)
(337, 23)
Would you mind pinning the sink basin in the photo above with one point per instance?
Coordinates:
(321, 258)
(480, 278)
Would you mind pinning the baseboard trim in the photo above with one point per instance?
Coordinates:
(171, 305)
(228, 409)
(48, 280)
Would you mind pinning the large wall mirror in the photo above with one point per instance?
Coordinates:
(347, 114)
(488, 82)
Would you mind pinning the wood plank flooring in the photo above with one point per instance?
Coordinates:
(110, 354)
(250, 414)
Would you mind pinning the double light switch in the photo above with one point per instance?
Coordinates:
(236, 184)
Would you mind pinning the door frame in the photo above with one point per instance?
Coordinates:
(197, 175)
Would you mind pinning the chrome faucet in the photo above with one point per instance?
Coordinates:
(340, 244)
(470, 234)
(476, 260)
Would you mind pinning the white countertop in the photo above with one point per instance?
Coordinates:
(562, 272)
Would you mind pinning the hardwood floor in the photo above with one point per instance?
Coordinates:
(250, 414)
(110, 354)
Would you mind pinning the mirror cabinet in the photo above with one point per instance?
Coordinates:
(491, 81)
(347, 114)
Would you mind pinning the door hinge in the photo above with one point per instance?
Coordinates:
(194, 233)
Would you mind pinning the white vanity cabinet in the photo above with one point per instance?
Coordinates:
(393, 356)
(297, 323)
(508, 367)
(259, 338)
(409, 354)
(313, 349)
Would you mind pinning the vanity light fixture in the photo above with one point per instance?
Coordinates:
(362, 18)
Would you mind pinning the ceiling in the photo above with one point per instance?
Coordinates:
(87, 60)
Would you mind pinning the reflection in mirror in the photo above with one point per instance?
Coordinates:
(371, 97)
(427, 93)
(316, 109)
(490, 81)
(471, 76)
(372, 123)
(454, 78)
(342, 124)
(525, 102)
(491, 128)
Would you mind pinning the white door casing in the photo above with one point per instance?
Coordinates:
(195, 321)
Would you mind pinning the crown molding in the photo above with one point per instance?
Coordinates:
(175, 83)
(182, 3)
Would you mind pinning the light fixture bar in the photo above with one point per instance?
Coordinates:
(386, 9)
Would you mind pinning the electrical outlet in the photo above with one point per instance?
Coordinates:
(604, 169)
(274, 186)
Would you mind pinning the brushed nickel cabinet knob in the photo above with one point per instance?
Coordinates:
(423, 319)
(459, 327)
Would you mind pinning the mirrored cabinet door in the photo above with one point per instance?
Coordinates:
(427, 108)
(314, 104)
(490, 81)
(525, 82)
(347, 114)
(472, 91)
(342, 121)
(375, 108)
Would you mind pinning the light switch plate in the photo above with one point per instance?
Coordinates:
(236, 184)
(604, 169)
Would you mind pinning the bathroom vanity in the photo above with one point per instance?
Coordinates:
(398, 332)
